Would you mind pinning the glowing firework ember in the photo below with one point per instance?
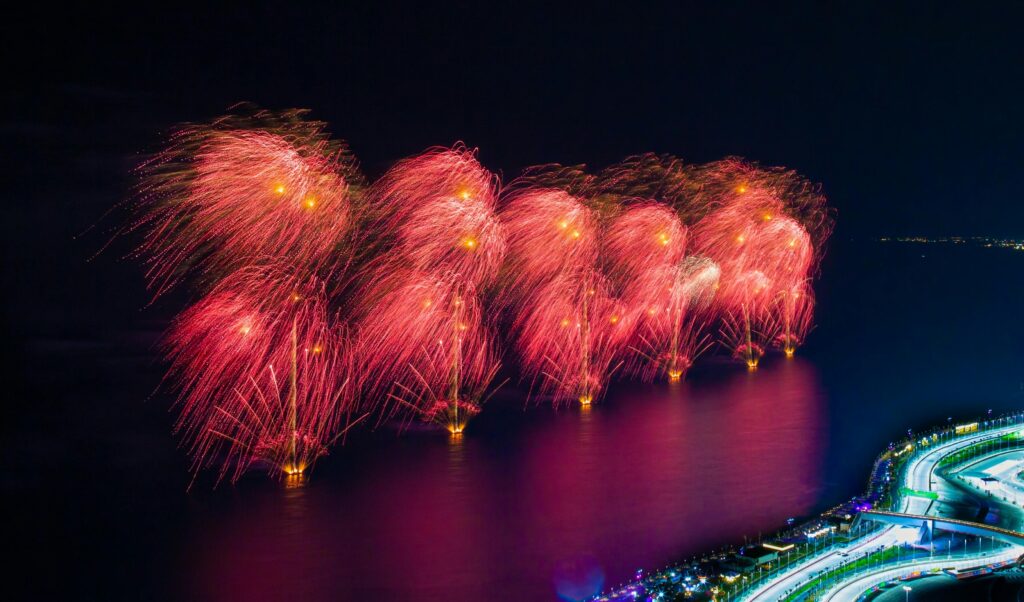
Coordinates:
(273, 225)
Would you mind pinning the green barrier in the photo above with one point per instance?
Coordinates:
(931, 495)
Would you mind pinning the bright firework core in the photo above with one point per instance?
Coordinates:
(324, 298)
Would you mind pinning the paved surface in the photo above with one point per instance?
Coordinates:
(920, 476)
(850, 591)
(947, 524)
(1004, 469)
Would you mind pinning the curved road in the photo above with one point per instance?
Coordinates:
(919, 476)
(850, 591)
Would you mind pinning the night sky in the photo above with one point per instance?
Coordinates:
(909, 116)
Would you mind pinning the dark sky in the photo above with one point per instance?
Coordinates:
(909, 116)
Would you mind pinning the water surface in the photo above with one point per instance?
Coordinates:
(531, 504)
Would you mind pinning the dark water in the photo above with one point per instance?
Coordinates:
(532, 503)
(559, 505)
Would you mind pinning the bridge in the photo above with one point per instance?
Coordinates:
(929, 523)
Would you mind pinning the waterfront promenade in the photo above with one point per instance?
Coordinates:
(918, 514)
(919, 475)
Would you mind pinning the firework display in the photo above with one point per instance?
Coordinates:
(222, 197)
(766, 232)
(425, 346)
(262, 370)
(323, 300)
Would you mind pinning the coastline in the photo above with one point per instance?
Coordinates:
(765, 570)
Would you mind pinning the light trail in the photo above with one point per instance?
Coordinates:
(1004, 472)
(919, 476)
(850, 591)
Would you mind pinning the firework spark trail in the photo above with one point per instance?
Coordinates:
(669, 325)
(550, 232)
(748, 327)
(730, 236)
(567, 332)
(759, 236)
(567, 326)
(644, 246)
(440, 208)
(221, 196)
(671, 311)
(661, 178)
(271, 221)
(644, 237)
(257, 212)
(721, 183)
(261, 371)
(425, 346)
(795, 317)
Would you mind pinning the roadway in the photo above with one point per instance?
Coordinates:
(945, 524)
(1003, 468)
(850, 591)
(919, 476)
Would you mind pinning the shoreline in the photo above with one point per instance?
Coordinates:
(756, 571)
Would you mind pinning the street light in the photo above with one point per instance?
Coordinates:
(906, 590)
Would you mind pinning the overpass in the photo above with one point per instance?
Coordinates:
(930, 523)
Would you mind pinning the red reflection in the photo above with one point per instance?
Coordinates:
(573, 502)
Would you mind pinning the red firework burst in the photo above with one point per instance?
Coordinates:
(424, 344)
(439, 209)
(671, 312)
(550, 232)
(643, 238)
(643, 248)
(224, 196)
(762, 248)
(568, 332)
(747, 321)
(262, 374)
(795, 316)
(424, 347)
